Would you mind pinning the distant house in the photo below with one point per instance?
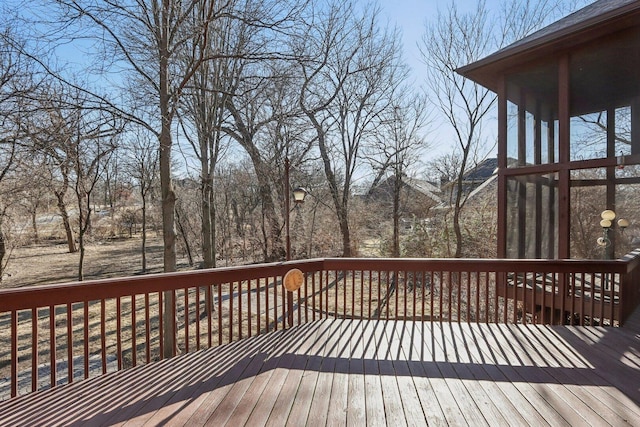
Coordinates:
(473, 181)
(411, 188)
(417, 197)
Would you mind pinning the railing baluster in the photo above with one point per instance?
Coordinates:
(370, 291)
(197, 314)
(53, 347)
(86, 338)
(396, 286)
(362, 293)
(379, 283)
(423, 289)
(432, 290)
(174, 321)
(582, 295)
(186, 318)
(297, 305)
(403, 273)
(134, 333)
(219, 309)
(344, 294)
(573, 299)
(414, 291)
(353, 293)
(543, 303)
(266, 302)
(14, 353)
(387, 296)
(313, 296)
(69, 343)
(337, 281)
(103, 336)
(161, 322)
(283, 303)
(34, 349)
(450, 292)
(249, 305)
(477, 281)
(275, 303)
(534, 286)
(119, 332)
(208, 297)
(612, 294)
(239, 309)
(487, 307)
(230, 311)
(147, 328)
(592, 296)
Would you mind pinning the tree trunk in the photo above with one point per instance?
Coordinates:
(207, 220)
(3, 253)
(459, 200)
(34, 226)
(396, 229)
(183, 233)
(62, 207)
(166, 189)
(81, 260)
(341, 204)
(144, 234)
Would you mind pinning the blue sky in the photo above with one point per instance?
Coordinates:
(411, 15)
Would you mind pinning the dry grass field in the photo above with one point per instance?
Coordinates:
(51, 262)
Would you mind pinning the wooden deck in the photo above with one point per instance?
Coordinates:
(358, 372)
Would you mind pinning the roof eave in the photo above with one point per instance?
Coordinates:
(484, 70)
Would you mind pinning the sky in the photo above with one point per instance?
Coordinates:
(410, 16)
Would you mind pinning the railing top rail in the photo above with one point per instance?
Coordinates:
(92, 290)
(55, 294)
(480, 265)
(632, 259)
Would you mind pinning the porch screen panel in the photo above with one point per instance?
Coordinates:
(532, 122)
(532, 220)
(589, 136)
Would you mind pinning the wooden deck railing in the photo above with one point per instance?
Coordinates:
(56, 334)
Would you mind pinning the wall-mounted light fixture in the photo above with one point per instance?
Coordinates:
(607, 218)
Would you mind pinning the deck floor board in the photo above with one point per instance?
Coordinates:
(368, 372)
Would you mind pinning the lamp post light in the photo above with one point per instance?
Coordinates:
(606, 222)
(299, 194)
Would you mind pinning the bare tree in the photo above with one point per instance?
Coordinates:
(349, 68)
(453, 40)
(33, 171)
(48, 131)
(17, 81)
(150, 39)
(93, 142)
(203, 114)
(396, 147)
(142, 166)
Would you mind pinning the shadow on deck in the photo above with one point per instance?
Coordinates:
(368, 372)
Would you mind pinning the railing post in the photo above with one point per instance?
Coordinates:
(290, 308)
(622, 298)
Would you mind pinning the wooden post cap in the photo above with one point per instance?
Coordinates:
(293, 280)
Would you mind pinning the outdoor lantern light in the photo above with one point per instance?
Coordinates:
(299, 194)
(606, 241)
(608, 215)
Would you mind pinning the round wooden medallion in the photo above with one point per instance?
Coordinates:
(293, 280)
